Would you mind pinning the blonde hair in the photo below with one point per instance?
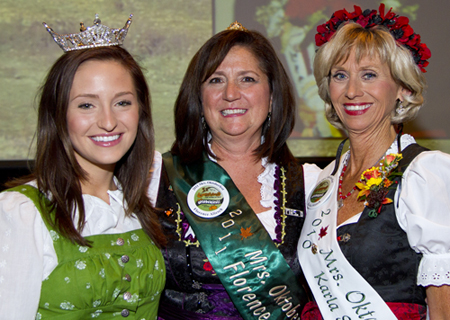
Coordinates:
(373, 42)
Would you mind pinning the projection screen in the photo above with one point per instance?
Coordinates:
(166, 34)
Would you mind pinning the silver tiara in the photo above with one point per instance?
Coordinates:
(98, 35)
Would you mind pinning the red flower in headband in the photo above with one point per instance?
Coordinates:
(397, 25)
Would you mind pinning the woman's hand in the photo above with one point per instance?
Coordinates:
(438, 299)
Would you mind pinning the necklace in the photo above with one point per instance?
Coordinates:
(341, 196)
(341, 177)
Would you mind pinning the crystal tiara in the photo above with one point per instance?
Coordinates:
(98, 35)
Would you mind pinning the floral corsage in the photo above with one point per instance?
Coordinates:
(376, 182)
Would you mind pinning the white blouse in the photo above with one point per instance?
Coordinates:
(27, 254)
(267, 179)
(423, 212)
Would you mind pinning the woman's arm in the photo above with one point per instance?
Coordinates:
(21, 258)
(423, 212)
(438, 299)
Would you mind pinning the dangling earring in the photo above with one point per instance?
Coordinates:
(269, 116)
(203, 123)
(400, 108)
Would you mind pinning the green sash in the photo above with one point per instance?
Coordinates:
(251, 268)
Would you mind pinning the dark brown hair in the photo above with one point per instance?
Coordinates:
(56, 169)
(191, 136)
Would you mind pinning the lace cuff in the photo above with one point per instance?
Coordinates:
(434, 270)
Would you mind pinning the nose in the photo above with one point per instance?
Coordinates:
(107, 119)
(354, 88)
(231, 92)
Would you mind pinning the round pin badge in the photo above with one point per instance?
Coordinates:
(208, 199)
(321, 192)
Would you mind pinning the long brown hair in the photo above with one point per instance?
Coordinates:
(191, 134)
(57, 171)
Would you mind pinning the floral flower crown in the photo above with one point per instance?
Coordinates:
(398, 26)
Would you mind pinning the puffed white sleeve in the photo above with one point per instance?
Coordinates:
(423, 211)
(21, 258)
(155, 176)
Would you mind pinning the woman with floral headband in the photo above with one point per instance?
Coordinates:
(376, 238)
(80, 236)
(232, 192)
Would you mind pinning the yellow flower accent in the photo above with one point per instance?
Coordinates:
(374, 182)
(362, 186)
(365, 192)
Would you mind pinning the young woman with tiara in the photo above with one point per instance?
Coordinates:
(80, 236)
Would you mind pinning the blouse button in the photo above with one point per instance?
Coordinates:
(120, 242)
(125, 313)
(125, 258)
(127, 277)
(127, 296)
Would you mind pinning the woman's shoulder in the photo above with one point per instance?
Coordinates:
(424, 190)
(18, 211)
(429, 161)
(16, 199)
(311, 169)
(19, 194)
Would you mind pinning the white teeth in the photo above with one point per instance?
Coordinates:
(233, 111)
(358, 108)
(106, 138)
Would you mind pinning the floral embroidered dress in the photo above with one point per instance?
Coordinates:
(193, 290)
(45, 276)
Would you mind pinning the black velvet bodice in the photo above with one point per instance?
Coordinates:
(378, 249)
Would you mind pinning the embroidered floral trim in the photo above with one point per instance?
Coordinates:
(280, 208)
(183, 228)
(397, 25)
(376, 183)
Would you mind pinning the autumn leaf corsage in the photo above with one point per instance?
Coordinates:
(376, 182)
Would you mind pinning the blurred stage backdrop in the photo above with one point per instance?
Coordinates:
(166, 34)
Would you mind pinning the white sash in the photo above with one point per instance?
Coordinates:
(340, 291)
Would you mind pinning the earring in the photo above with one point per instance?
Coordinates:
(203, 123)
(269, 116)
(400, 108)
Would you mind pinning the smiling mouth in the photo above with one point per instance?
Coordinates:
(357, 107)
(106, 138)
(228, 112)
